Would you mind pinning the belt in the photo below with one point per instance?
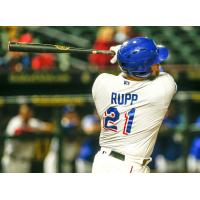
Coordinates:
(116, 155)
(122, 157)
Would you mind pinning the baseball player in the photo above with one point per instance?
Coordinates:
(90, 145)
(131, 106)
(18, 154)
(69, 126)
(168, 150)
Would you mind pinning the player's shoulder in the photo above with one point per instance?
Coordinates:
(165, 79)
(102, 82)
(103, 79)
(166, 76)
(168, 83)
(14, 120)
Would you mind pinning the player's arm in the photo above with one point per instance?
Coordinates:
(40, 126)
(47, 127)
(170, 88)
(98, 85)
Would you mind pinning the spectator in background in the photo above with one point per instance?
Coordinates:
(18, 154)
(104, 40)
(91, 127)
(71, 134)
(168, 152)
(64, 61)
(12, 31)
(21, 61)
(193, 161)
(43, 62)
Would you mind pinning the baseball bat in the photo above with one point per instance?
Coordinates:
(51, 48)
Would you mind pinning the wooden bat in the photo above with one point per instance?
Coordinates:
(51, 48)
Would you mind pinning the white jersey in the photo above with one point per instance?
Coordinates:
(17, 122)
(20, 148)
(131, 112)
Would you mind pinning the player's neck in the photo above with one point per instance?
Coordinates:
(132, 78)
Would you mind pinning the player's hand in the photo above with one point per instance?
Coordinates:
(115, 49)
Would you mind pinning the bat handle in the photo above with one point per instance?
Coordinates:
(107, 52)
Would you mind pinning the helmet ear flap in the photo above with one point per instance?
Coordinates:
(121, 63)
(163, 53)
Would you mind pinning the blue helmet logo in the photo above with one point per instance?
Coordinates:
(137, 55)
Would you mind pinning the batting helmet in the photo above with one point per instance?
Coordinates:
(137, 55)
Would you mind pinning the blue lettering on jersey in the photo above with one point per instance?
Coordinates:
(113, 98)
(123, 99)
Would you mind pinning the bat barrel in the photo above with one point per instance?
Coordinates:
(49, 48)
(34, 48)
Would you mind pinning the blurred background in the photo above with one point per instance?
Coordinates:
(48, 121)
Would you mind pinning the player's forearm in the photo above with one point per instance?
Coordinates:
(47, 127)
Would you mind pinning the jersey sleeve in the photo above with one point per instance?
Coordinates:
(13, 124)
(98, 85)
(36, 123)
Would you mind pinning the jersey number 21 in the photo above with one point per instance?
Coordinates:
(111, 117)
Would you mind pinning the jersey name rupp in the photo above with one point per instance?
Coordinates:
(123, 99)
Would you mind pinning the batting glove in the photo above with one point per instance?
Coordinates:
(115, 49)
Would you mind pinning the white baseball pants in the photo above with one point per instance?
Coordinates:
(105, 163)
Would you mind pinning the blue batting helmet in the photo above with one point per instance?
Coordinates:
(137, 55)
